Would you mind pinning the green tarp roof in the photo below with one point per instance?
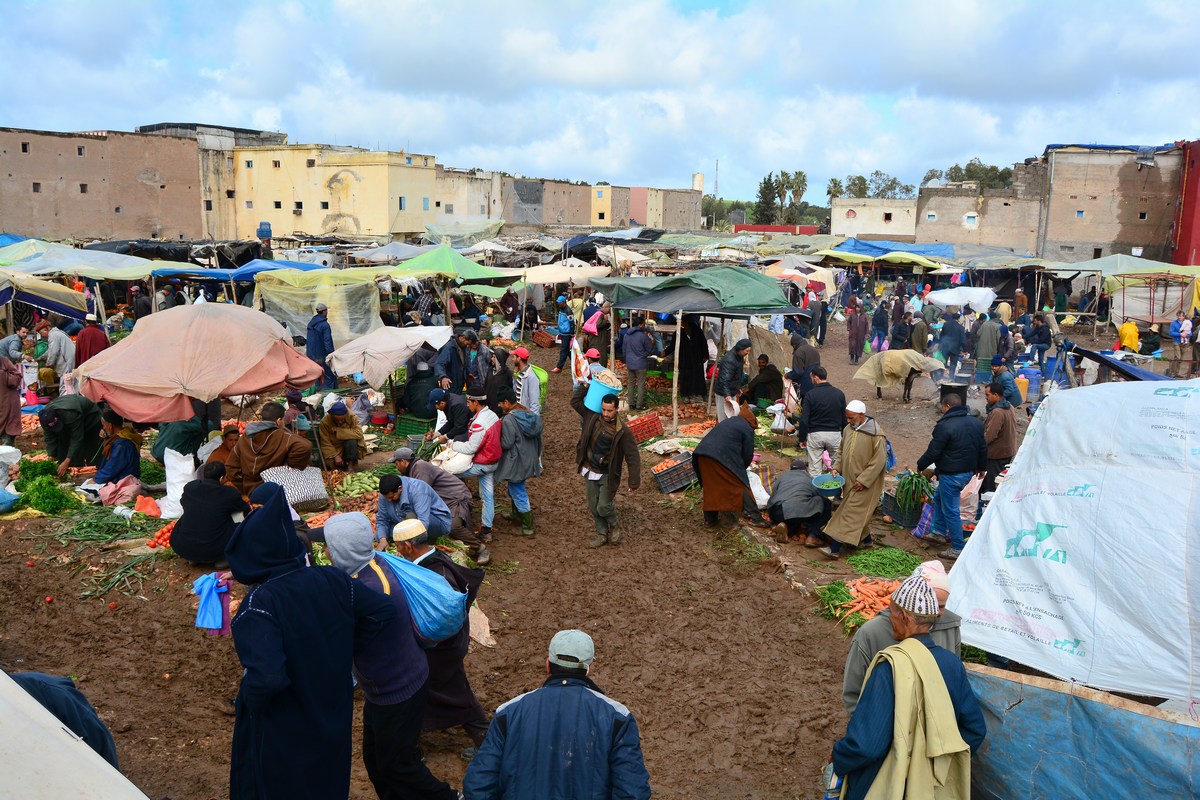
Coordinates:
(449, 262)
(735, 287)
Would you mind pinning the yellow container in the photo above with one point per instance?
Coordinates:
(1023, 385)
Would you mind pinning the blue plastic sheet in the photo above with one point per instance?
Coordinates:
(882, 247)
(438, 610)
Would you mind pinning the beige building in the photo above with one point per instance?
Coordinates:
(874, 218)
(217, 168)
(99, 185)
(326, 190)
(467, 195)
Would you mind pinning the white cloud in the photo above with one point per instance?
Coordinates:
(642, 93)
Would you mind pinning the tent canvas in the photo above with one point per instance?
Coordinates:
(46, 295)
(290, 297)
(450, 263)
(892, 258)
(558, 272)
(27, 248)
(1051, 578)
(390, 252)
(737, 288)
(383, 351)
(877, 248)
(979, 298)
(95, 264)
(246, 272)
(462, 234)
(693, 300)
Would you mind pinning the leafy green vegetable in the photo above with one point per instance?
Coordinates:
(832, 596)
(32, 470)
(152, 472)
(887, 562)
(44, 495)
(99, 525)
(912, 488)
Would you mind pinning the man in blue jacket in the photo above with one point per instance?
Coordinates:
(319, 344)
(958, 450)
(567, 735)
(638, 349)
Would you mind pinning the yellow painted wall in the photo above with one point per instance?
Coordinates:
(602, 204)
(353, 192)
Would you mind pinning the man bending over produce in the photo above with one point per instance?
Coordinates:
(265, 445)
(71, 429)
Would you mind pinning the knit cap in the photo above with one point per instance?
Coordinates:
(916, 597)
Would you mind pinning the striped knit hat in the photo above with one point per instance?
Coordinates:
(916, 597)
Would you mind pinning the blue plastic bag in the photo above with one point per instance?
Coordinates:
(890, 459)
(7, 501)
(438, 610)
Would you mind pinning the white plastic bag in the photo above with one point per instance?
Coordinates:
(761, 495)
(969, 497)
(180, 468)
(452, 461)
(779, 423)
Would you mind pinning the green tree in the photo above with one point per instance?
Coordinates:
(783, 186)
(766, 207)
(933, 175)
(886, 186)
(989, 176)
(856, 186)
(799, 187)
(834, 189)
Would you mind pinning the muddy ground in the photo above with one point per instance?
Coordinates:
(732, 676)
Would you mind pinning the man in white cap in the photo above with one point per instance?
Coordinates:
(922, 690)
(862, 461)
(876, 634)
(567, 735)
(89, 341)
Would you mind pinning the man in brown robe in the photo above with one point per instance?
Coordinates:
(857, 327)
(861, 461)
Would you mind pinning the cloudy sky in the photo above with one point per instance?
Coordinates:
(635, 93)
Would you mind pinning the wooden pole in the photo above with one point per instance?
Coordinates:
(675, 376)
(613, 322)
(712, 385)
(153, 296)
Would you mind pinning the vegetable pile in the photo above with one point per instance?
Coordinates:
(912, 489)
(152, 472)
(663, 466)
(98, 525)
(356, 484)
(697, 428)
(44, 494)
(162, 538)
(855, 602)
(30, 470)
(828, 483)
(887, 562)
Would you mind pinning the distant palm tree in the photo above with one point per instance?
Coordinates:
(782, 187)
(834, 189)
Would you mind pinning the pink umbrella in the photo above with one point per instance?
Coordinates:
(201, 351)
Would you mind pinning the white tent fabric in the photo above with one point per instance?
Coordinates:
(1078, 568)
(978, 298)
(559, 273)
(393, 251)
(487, 247)
(45, 761)
(613, 254)
(96, 264)
(383, 351)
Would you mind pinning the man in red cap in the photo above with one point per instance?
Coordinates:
(526, 383)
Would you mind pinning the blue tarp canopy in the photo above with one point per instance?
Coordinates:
(246, 272)
(882, 247)
(11, 238)
(1123, 368)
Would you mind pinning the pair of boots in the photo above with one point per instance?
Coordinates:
(523, 517)
(613, 537)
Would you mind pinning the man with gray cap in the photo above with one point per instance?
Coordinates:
(921, 689)
(450, 488)
(318, 344)
(392, 671)
(795, 506)
(730, 374)
(567, 735)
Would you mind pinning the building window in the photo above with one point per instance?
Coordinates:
(1091, 197)
(1067, 248)
(482, 209)
(208, 205)
(229, 162)
(601, 216)
(1074, 197)
(324, 205)
(1079, 214)
(851, 213)
(83, 188)
(887, 216)
(276, 164)
(449, 208)
(279, 204)
(426, 160)
(249, 164)
(37, 188)
(312, 162)
(299, 206)
(117, 210)
(408, 159)
(972, 219)
(931, 217)
(229, 194)
(1141, 215)
(438, 204)
(79, 150)
(1097, 252)
(24, 147)
(403, 204)
(424, 203)
(599, 194)
(249, 204)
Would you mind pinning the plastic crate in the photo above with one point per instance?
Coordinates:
(407, 425)
(905, 519)
(645, 427)
(680, 476)
(543, 339)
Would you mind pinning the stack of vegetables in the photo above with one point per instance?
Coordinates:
(854, 602)
(162, 538)
(38, 486)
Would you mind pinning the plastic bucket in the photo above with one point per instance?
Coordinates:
(1034, 376)
(596, 392)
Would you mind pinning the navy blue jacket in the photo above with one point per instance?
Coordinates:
(565, 740)
(449, 364)
(953, 338)
(393, 667)
(1040, 334)
(637, 347)
(861, 752)
(60, 697)
(318, 339)
(958, 444)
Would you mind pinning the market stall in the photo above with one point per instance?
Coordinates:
(383, 351)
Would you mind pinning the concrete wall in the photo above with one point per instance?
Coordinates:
(566, 203)
(962, 216)
(1097, 199)
(654, 208)
(619, 206)
(137, 186)
(874, 218)
(473, 194)
(681, 209)
(522, 200)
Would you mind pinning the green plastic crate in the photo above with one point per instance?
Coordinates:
(407, 425)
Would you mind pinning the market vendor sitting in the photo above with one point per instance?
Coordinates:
(71, 431)
(120, 456)
(767, 384)
(341, 439)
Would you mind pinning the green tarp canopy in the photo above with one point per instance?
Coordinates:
(449, 263)
(736, 287)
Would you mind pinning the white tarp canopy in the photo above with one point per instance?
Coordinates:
(392, 251)
(613, 254)
(559, 272)
(1084, 564)
(979, 298)
(45, 761)
(383, 351)
(487, 246)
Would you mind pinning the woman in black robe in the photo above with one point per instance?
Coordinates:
(693, 352)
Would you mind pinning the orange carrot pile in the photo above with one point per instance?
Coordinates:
(697, 428)
(663, 466)
(871, 595)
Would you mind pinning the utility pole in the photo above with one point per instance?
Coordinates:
(717, 180)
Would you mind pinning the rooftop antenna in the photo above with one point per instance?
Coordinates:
(717, 180)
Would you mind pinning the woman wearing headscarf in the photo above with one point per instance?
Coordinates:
(296, 633)
(10, 400)
(693, 353)
(721, 460)
(120, 455)
(499, 374)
